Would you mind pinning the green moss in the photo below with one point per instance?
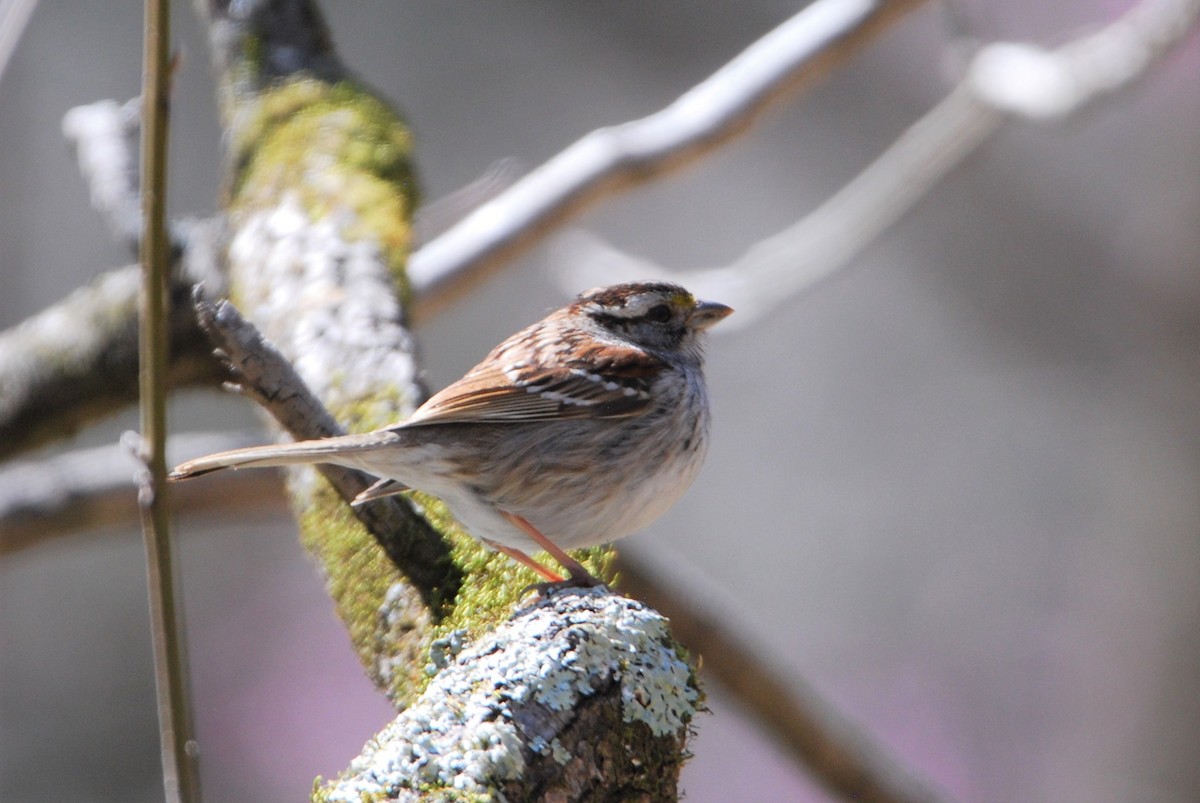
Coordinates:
(663, 754)
(386, 405)
(358, 573)
(337, 147)
(497, 582)
(359, 576)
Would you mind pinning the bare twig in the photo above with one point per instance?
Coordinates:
(1003, 79)
(180, 774)
(797, 53)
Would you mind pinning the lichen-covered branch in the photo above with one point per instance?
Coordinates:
(582, 696)
(321, 196)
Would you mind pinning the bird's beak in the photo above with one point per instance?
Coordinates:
(707, 313)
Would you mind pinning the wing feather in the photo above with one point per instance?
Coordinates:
(609, 381)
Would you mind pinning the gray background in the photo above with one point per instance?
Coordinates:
(955, 489)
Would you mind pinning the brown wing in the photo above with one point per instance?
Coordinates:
(608, 381)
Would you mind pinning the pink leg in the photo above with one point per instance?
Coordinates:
(526, 561)
(579, 575)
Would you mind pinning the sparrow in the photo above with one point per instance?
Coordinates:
(578, 430)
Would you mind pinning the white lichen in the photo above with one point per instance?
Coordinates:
(461, 733)
(343, 287)
(561, 754)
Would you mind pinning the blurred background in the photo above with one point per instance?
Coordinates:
(954, 489)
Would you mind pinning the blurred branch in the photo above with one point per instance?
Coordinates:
(1029, 81)
(104, 136)
(76, 361)
(778, 268)
(797, 53)
(14, 15)
(91, 489)
(1003, 79)
(436, 217)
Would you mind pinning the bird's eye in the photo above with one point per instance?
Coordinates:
(659, 313)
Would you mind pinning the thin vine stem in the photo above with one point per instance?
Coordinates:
(180, 777)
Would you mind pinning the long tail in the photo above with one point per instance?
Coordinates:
(322, 450)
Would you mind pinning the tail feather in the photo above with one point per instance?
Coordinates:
(322, 450)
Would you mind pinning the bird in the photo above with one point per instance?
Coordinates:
(578, 430)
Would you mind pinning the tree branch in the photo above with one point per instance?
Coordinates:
(177, 748)
(798, 53)
(1036, 83)
(319, 209)
(1003, 80)
(77, 361)
(105, 136)
(13, 18)
(552, 705)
